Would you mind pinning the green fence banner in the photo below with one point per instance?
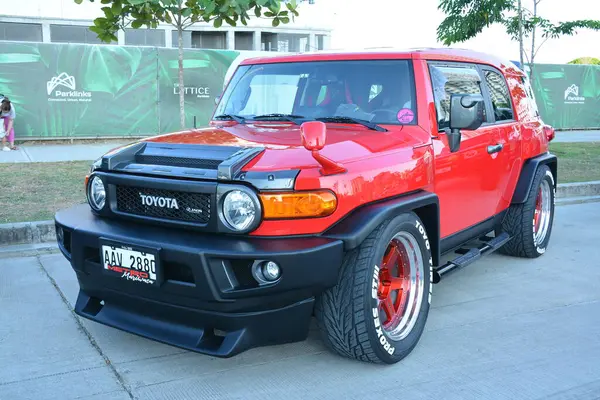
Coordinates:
(71, 90)
(78, 90)
(568, 96)
(203, 79)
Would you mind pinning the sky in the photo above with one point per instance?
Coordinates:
(358, 24)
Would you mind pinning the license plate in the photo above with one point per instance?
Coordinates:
(129, 263)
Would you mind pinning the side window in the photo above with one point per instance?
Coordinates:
(322, 94)
(374, 92)
(449, 80)
(501, 101)
(530, 96)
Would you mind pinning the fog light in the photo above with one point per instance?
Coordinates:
(60, 235)
(271, 271)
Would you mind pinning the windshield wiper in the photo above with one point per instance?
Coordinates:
(362, 122)
(237, 118)
(285, 117)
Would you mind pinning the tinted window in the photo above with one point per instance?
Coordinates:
(381, 91)
(530, 96)
(500, 96)
(244, 40)
(73, 34)
(449, 80)
(186, 36)
(20, 32)
(145, 37)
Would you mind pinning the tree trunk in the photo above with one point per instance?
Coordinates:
(181, 84)
(535, 4)
(521, 47)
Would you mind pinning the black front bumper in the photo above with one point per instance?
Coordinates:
(206, 299)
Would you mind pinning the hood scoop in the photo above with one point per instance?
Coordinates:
(181, 160)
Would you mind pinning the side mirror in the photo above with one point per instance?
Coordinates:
(314, 134)
(217, 100)
(466, 112)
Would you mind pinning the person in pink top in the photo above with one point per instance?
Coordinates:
(7, 113)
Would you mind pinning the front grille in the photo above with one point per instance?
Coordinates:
(191, 207)
(178, 161)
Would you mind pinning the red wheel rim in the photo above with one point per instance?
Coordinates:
(400, 289)
(542, 213)
(537, 214)
(393, 284)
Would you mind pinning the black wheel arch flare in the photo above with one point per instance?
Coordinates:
(528, 174)
(357, 225)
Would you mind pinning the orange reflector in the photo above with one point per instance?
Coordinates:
(87, 178)
(298, 204)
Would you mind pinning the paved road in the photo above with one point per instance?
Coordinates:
(577, 136)
(501, 329)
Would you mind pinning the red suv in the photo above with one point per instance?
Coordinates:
(327, 185)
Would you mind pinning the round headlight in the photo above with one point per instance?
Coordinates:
(239, 210)
(97, 193)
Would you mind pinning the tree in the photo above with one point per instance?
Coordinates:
(465, 19)
(119, 14)
(585, 61)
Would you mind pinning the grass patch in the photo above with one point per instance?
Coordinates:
(577, 162)
(35, 191)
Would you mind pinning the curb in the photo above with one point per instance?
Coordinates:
(27, 233)
(578, 189)
(44, 231)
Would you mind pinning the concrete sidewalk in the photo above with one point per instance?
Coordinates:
(57, 152)
(89, 152)
(577, 136)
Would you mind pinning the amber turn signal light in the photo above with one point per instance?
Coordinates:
(87, 179)
(298, 204)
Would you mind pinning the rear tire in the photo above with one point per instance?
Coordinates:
(530, 224)
(378, 309)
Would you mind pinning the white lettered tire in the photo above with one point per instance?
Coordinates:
(379, 307)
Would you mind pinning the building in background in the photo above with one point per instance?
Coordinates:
(63, 21)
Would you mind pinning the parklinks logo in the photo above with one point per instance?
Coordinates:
(572, 95)
(56, 86)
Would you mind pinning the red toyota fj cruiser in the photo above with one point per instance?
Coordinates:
(327, 185)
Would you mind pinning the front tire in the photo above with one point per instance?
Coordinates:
(530, 224)
(378, 309)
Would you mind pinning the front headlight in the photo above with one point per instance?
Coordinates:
(239, 210)
(96, 193)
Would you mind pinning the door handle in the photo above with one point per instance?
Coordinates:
(495, 149)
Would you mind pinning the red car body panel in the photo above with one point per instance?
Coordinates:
(209, 282)
(471, 184)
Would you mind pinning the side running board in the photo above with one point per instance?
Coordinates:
(488, 246)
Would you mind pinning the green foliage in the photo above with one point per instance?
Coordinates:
(585, 61)
(546, 27)
(137, 14)
(465, 19)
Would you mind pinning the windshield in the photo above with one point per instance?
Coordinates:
(378, 91)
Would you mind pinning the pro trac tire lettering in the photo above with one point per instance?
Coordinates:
(380, 335)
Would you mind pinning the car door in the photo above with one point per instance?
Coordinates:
(466, 180)
(506, 138)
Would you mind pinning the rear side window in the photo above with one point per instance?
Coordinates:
(499, 95)
(449, 80)
(530, 96)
